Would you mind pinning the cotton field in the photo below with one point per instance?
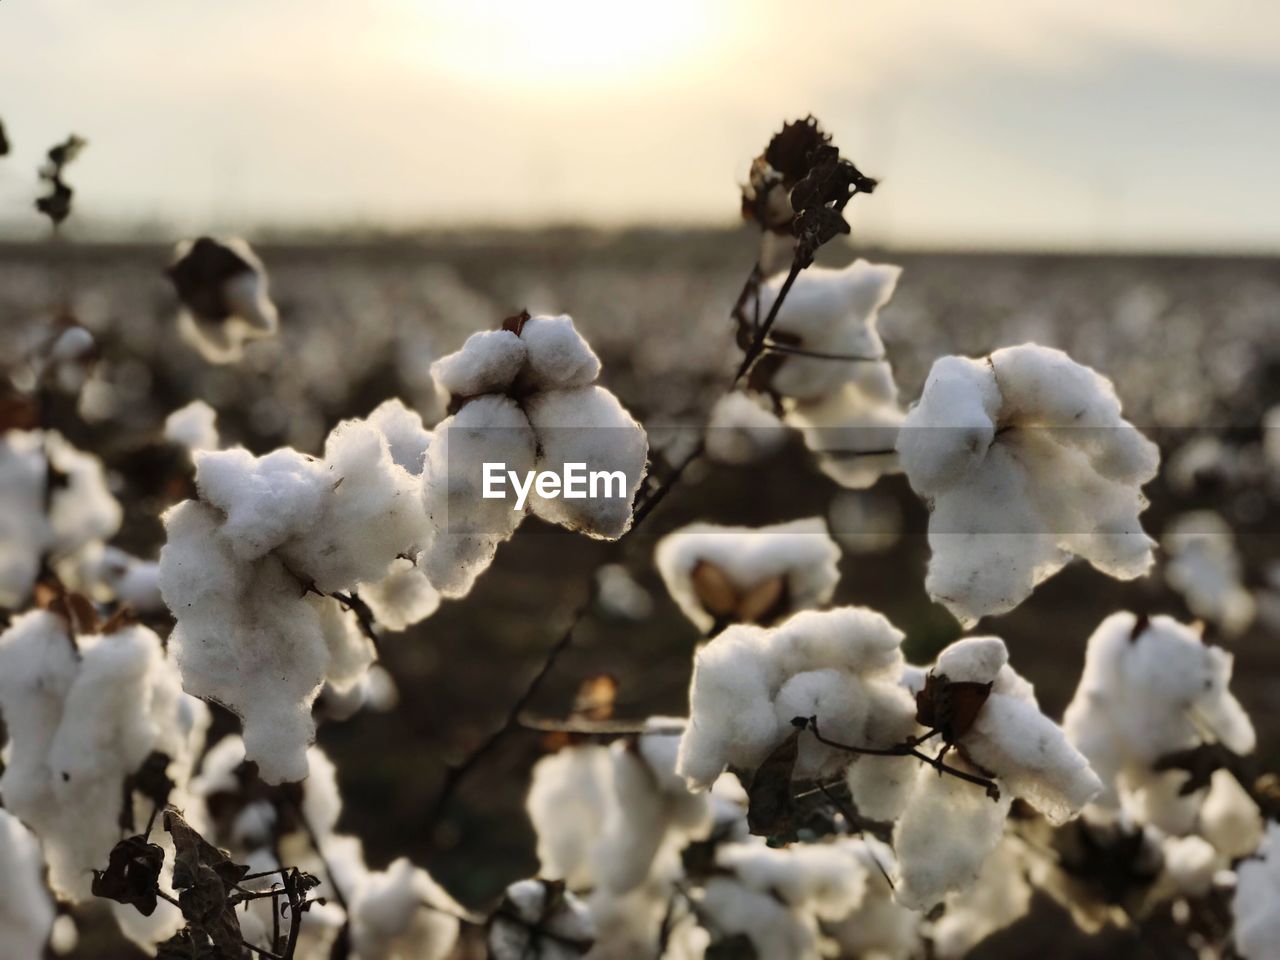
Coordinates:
(927, 605)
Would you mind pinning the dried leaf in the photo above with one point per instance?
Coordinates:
(950, 706)
(4, 141)
(202, 873)
(770, 804)
(192, 850)
(56, 205)
(132, 875)
(186, 945)
(515, 324)
(790, 149)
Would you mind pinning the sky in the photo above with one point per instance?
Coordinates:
(992, 123)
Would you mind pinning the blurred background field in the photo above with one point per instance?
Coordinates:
(1192, 344)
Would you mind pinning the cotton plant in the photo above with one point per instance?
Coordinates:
(721, 575)
(54, 503)
(249, 569)
(1152, 688)
(826, 368)
(223, 290)
(95, 721)
(524, 396)
(1205, 568)
(1025, 461)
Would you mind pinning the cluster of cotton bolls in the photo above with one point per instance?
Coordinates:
(54, 505)
(1025, 461)
(525, 397)
(661, 870)
(84, 714)
(826, 372)
(248, 570)
(1205, 568)
(722, 575)
(223, 289)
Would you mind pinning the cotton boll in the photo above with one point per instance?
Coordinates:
(267, 500)
(879, 927)
(880, 786)
(1190, 865)
(631, 925)
(487, 363)
(370, 514)
(557, 357)
(246, 637)
(224, 292)
(588, 426)
(194, 427)
(26, 910)
(1257, 922)
(832, 312)
(747, 559)
(402, 914)
(402, 598)
(1025, 460)
(828, 879)
(947, 830)
(469, 528)
(620, 595)
(1229, 817)
(741, 431)
(853, 435)
(774, 930)
(125, 578)
(973, 660)
(865, 522)
(407, 437)
(999, 897)
(569, 797)
(1205, 568)
(838, 699)
(539, 920)
(81, 507)
(350, 651)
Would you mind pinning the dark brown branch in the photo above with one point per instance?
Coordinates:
(757, 344)
(456, 773)
(908, 748)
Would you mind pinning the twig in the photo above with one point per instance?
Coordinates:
(654, 498)
(757, 344)
(456, 773)
(907, 748)
(324, 861)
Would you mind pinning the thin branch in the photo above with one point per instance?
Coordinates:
(908, 748)
(319, 851)
(654, 498)
(772, 346)
(456, 773)
(757, 344)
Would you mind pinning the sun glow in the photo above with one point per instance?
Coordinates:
(569, 43)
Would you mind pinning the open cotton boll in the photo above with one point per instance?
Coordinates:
(402, 914)
(81, 508)
(540, 920)
(126, 578)
(1190, 865)
(949, 827)
(775, 930)
(224, 293)
(748, 574)
(370, 514)
(194, 427)
(26, 910)
(557, 357)
(407, 437)
(468, 527)
(588, 425)
(24, 531)
(1000, 896)
(402, 598)
(1025, 461)
(79, 723)
(830, 311)
(570, 793)
(267, 500)
(828, 879)
(853, 437)
(1257, 921)
(246, 637)
(879, 927)
(1205, 568)
(738, 711)
(741, 431)
(487, 363)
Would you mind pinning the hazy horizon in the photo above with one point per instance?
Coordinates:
(992, 124)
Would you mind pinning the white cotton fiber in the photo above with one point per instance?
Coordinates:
(402, 914)
(1205, 568)
(588, 426)
(535, 922)
(194, 427)
(1257, 922)
(402, 598)
(1025, 461)
(800, 552)
(407, 437)
(741, 431)
(26, 910)
(487, 363)
(558, 358)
